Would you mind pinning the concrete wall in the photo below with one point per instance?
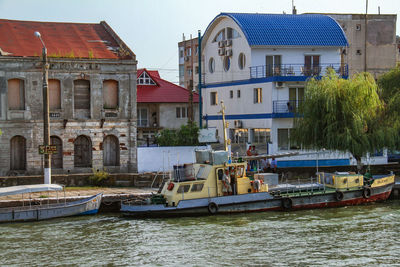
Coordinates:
(66, 123)
(381, 41)
(158, 159)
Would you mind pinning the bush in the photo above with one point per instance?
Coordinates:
(187, 135)
(99, 177)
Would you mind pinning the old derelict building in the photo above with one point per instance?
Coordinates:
(92, 91)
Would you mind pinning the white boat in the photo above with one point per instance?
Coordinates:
(45, 211)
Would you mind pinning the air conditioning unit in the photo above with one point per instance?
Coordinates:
(228, 42)
(228, 52)
(221, 51)
(221, 43)
(280, 84)
(238, 124)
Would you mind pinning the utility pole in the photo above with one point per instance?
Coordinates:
(200, 98)
(366, 33)
(190, 115)
(46, 118)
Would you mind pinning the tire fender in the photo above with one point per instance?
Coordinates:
(367, 192)
(287, 203)
(339, 195)
(212, 208)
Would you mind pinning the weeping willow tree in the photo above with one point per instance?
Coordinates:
(389, 85)
(342, 114)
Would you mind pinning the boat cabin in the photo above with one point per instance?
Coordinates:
(341, 180)
(213, 174)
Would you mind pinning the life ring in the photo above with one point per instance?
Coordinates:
(367, 192)
(170, 186)
(212, 208)
(339, 195)
(287, 203)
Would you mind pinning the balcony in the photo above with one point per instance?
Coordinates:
(287, 70)
(286, 106)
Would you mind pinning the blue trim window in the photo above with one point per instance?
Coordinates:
(257, 95)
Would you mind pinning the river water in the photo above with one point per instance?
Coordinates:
(348, 236)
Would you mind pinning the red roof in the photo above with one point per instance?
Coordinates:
(80, 40)
(163, 91)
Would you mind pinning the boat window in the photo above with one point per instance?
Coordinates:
(220, 174)
(202, 174)
(183, 188)
(197, 187)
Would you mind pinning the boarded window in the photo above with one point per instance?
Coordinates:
(110, 94)
(110, 151)
(54, 94)
(16, 94)
(57, 158)
(18, 153)
(81, 94)
(82, 152)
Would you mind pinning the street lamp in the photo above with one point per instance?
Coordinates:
(46, 119)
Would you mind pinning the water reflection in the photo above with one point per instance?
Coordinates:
(357, 236)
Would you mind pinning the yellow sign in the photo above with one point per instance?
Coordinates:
(47, 149)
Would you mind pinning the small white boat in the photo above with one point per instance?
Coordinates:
(45, 211)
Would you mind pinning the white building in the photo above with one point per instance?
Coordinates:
(258, 64)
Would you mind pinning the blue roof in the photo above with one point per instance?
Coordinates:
(289, 30)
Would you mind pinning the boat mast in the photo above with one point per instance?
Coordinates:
(224, 125)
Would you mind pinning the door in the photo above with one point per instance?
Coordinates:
(82, 152)
(18, 153)
(110, 151)
(57, 158)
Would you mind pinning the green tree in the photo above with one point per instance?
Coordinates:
(342, 114)
(187, 135)
(389, 85)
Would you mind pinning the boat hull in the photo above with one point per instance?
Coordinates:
(258, 202)
(43, 212)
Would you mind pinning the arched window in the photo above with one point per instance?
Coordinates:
(54, 94)
(82, 99)
(110, 151)
(18, 153)
(82, 152)
(57, 158)
(16, 94)
(110, 94)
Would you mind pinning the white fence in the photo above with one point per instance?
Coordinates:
(154, 159)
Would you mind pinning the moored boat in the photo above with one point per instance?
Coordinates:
(217, 184)
(47, 210)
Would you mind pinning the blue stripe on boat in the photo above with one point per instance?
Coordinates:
(89, 212)
(313, 163)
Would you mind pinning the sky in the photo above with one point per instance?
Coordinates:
(153, 28)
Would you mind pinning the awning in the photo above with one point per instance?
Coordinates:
(24, 189)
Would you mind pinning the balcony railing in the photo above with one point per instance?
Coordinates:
(286, 106)
(285, 70)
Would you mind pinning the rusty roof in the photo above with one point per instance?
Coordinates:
(62, 40)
